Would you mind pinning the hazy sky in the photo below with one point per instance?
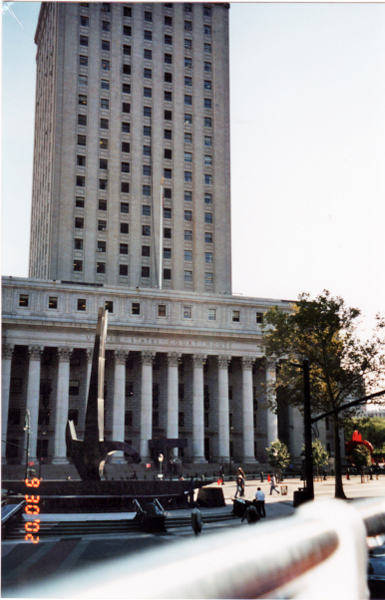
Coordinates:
(307, 148)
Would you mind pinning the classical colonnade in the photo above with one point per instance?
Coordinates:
(146, 395)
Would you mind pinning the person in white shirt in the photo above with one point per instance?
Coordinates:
(260, 502)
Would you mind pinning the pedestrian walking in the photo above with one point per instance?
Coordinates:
(273, 485)
(260, 502)
(196, 519)
(240, 486)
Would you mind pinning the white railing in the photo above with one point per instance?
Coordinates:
(320, 552)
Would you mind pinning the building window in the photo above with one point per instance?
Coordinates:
(103, 123)
(168, 193)
(188, 99)
(181, 420)
(126, 50)
(168, 115)
(188, 276)
(207, 103)
(168, 59)
(146, 230)
(128, 418)
(81, 160)
(207, 48)
(104, 103)
(102, 246)
(105, 65)
(167, 213)
(207, 67)
(162, 310)
(125, 167)
(81, 304)
(209, 278)
(126, 128)
(147, 73)
(188, 196)
(208, 142)
(188, 119)
(147, 55)
(168, 153)
(146, 150)
(167, 233)
(188, 44)
(259, 317)
(83, 40)
(126, 69)
(126, 30)
(123, 270)
(83, 60)
(208, 179)
(102, 204)
(208, 198)
(123, 248)
(82, 99)
(187, 62)
(188, 215)
(168, 40)
(146, 170)
(83, 80)
(126, 88)
(188, 138)
(145, 250)
(78, 244)
(236, 316)
(105, 45)
(188, 176)
(124, 228)
(188, 25)
(109, 305)
(166, 252)
(102, 184)
(168, 96)
(147, 131)
(208, 237)
(135, 308)
(208, 159)
(102, 225)
(167, 173)
(208, 122)
(103, 163)
(167, 274)
(126, 147)
(78, 266)
(126, 107)
(74, 387)
(146, 210)
(187, 312)
(168, 21)
(148, 16)
(24, 300)
(147, 35)
(80, 181)
(82, 140)
(103, 144)
(167, 134)
(82, 120)
(208, 257)
(125, 187)
(212, 314)
(100, 267)
(79, 223)
(146, 190)
(188, 157)
(188, 255)
(188, 81)
(188, 235)
(146, 272)
(79, 202)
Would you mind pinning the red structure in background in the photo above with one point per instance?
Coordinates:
(357, 440)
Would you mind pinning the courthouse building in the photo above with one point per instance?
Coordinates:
(131, 211)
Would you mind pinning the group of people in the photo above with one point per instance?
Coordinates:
(256, 510)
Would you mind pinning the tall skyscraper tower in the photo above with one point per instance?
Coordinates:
(131, 182)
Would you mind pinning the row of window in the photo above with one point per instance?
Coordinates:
(127, 12)
(187, 312)
(104, 123)
(106, 26)
(124, 206)
(146, 211)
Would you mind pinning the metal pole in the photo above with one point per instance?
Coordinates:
(27, 428)
(307, 428)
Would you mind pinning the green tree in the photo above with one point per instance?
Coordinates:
(342, 367)
(320, 455)
(372, 429)
(361, 458)
(278, 457)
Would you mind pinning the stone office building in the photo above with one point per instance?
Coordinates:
(131, 211)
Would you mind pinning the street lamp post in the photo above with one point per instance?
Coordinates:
(160, 459)
(27, 429)
(307, 431)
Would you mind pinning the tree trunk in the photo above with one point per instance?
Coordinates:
(339, 490)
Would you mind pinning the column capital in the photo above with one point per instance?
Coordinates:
(147, 357)
(173, 359)
(223, 361)
(89, 354)
(7, 350)
(35, 352)
(64, 354)
(199, 360)
(120, 356)
(247, 362)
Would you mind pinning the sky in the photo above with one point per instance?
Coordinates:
(307, 83)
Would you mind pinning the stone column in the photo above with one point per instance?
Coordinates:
(198, 409)
(223, 409)
(118, 417)
(62, 403)
(33, 395)
(247, 410)
(89, 357)
(172, 397)
(146, 403)
(7, 351)
(271, 418)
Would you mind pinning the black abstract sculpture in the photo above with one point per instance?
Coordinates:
(89, 455)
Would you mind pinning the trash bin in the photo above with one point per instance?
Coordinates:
(300, 496)
(284, 490)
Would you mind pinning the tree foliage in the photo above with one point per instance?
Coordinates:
(320, 455)
(278, 455)
(361, 457)
(342, 367)
(372, 429)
